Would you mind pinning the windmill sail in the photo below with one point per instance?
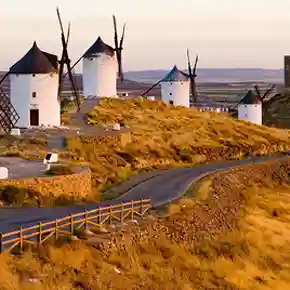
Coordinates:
(8, 115)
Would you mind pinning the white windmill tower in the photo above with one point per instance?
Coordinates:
(250, 108)
(99, 71)
(34, 89)
(100, 65)
(175, 87)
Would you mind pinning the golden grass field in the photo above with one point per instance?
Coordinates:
(162, 137)
(252, 253)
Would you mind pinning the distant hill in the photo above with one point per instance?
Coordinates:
(141, 80)
(215, 75)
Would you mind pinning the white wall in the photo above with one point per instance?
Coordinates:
(46, 101)
(100, 76)
(251, 113)
(178, 92)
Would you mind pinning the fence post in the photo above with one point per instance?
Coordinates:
(99, 216)
(141, 208)
(39, 234)
(122, 213)
(71, 224)
(110, 215)
(56, 229)
(132, 209)
(21, 240)
(86, 220)
(1, 243)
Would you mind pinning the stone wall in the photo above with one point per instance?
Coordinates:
(113, 139)
(73, 185)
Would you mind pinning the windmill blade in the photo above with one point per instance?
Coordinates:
(65, 60)
(120, 62)
(118, 47)
(68, 34)
(151, 88)
(59, 20)
(192, 78)
(257, 91)
(60, 74)
(189, 63)
(4, 77)
(195, 65)
(115, 33)
(122, 37)
(268, 91)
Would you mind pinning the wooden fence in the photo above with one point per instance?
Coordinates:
(69, 225)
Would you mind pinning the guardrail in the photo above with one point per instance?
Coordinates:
(38, 234)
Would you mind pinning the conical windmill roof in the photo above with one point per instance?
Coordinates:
(175, 75)
(35, 61)
(99, 47)
(250, 99)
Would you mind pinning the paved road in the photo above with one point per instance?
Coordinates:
(163, 187)
(21, 168)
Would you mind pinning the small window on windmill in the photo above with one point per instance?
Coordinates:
(171, 102)
(170, 94)
(171, 83)
(33, 94)
(91, 58)
(181, 83)
(33, 75)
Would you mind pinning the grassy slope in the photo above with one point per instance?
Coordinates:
(166, 136)
(254, 255)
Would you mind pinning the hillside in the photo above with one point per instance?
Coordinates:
(277, 111)
(162, 137)
(233, 237)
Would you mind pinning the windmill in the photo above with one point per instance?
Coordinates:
(192, 76)
(118, 49)
(65, 60)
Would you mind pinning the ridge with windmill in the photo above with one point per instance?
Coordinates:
(39, 79)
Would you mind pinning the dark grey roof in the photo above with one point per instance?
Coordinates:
(175, 75)
(99, 47)
(35, 61)
(52, 58)
(250, 99)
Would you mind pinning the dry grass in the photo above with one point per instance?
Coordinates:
(162, 137)
(253, 255)
(165, 136)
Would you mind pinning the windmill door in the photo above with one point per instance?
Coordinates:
(34, 117)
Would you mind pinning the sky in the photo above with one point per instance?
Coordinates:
(225, 33)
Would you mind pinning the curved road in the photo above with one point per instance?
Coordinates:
(162, 187)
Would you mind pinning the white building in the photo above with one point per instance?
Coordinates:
(175, 87)
(250, 109)
(34, 89)
(100, 71)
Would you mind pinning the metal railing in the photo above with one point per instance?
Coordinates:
(69, 225)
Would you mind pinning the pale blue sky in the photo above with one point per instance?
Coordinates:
(225, 33)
